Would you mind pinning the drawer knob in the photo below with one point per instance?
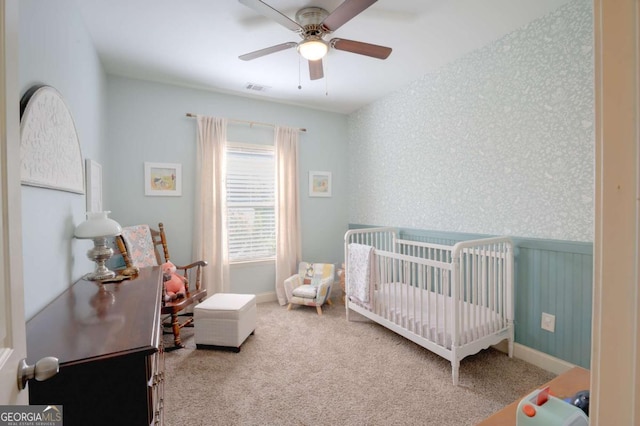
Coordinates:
(44, 369)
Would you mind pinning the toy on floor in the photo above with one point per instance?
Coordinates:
(539, 408)
(580, 400)
(174, 284)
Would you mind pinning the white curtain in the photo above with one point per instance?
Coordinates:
(288, 246)
(210, 229)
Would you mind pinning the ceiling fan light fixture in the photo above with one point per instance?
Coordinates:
(313, 48)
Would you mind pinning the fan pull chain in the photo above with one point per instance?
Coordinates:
(326, 79)
(299, 78)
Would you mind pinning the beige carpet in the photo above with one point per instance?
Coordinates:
(302, 369)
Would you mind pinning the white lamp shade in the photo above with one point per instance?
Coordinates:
(98, 225)
(313, 49)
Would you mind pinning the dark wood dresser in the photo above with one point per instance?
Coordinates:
(109, 344)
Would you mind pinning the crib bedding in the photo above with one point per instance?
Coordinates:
(359, 273)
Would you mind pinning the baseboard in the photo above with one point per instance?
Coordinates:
(539, 359)
(336, 296)
(266, 297)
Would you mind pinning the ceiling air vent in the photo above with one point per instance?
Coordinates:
(256, 87)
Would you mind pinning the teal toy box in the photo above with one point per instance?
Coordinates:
(539, 408)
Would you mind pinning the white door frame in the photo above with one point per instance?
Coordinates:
(615, 346)
(13, 345)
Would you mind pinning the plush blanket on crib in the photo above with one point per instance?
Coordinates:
(359, 271)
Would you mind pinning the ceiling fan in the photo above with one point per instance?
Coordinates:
(312, 24)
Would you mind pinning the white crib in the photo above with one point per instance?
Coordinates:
(452, 300)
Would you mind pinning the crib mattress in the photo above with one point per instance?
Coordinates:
(431, 315)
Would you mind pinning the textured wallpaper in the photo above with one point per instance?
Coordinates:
(501, 141)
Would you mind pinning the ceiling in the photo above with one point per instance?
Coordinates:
(196, 43)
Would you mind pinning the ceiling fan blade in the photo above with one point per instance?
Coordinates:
(316, 71)
(268, 11)
(345, 12)
(367, 49)
(267, 51)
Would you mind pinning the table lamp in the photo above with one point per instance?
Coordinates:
(98, 227)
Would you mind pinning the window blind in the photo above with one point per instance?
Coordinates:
(250, 202)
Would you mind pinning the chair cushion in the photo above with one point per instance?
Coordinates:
(306, 291)
(139, 245)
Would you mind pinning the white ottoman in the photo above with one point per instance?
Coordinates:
(224, 320)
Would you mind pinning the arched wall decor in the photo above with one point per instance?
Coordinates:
(50, 155)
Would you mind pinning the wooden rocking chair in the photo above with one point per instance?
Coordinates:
(140, 247)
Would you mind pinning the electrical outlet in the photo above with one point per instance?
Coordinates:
(548, 322)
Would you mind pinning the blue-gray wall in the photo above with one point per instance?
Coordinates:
(54, 49)
(555, 277)
(147, 122)
(122, 123)
(500, 141)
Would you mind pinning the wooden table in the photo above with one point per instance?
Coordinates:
(563, 386)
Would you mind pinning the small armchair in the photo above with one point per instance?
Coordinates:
(141, 246)
(311, 286)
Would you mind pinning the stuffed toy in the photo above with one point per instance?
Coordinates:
(174, 284)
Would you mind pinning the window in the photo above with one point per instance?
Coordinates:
(250, 187)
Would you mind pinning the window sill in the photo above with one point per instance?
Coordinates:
(253, 262)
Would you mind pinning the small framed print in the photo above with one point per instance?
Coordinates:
(319, 184)
(163, 179)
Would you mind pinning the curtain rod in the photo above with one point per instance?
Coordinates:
(250, 123)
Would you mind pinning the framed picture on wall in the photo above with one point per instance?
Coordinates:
(163, 179)
(319, 184)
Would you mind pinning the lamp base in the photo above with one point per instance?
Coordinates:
(100, 253)
(99, 276)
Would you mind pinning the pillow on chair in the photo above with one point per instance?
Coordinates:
(307, 291)
(140, 245)
(312, 275)
(308, 274)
